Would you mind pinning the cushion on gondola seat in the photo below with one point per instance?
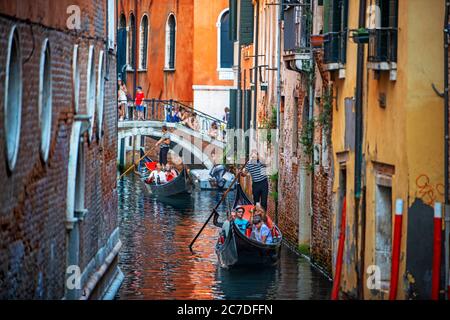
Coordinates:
(248, 215)
(151, 165)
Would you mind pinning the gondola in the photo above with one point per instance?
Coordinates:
(179, 185)
(238, 249)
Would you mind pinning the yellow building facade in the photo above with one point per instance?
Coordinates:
(401, 145)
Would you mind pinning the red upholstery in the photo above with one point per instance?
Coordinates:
(151, 165)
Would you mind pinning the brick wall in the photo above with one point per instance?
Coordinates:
(33, 247)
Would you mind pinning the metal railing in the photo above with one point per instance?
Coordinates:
(335, 47)
(383, 45)
(164, 111)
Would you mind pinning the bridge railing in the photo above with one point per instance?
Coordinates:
(164, 110)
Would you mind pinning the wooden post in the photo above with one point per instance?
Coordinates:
(396, 249)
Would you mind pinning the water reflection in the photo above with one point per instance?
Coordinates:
(157, 263)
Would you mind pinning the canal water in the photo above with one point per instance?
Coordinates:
(158, 264)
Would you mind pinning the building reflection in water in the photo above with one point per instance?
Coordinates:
(158, 264)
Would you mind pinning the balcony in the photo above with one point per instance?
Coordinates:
(383, 50)
(335, 51)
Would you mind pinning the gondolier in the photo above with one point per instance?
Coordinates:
(260, 187)
(164, 146)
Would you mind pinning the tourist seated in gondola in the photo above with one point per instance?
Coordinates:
(158, 176)
(240, 222)
(261, 231)
(171, 173)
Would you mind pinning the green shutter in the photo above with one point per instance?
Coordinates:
(233, 19)
(246, 22)
(326, 16)
(233, 109)
(247, 109)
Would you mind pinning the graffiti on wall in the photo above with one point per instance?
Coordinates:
(428, 191)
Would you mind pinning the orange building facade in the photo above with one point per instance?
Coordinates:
(177, 50)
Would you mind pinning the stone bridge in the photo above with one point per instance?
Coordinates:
(194, 147)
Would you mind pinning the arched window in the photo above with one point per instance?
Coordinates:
(143, 43)
(122, 48)
(171, 29)
(132, 42)
(75, 79)
(90, 88)
(100, 93)
(13, 97)
(45, 99)
(225, 50)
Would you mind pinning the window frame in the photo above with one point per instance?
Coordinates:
(91, 84)
(100, 94)
(143, 56)
(222, 71)
(13, 41)
(45, 107)
(169, 47)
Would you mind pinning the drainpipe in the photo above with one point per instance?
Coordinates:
(358, 145)
(255, 101)
(311, 117)
(446, 148)
(135, 47)
(277, 160)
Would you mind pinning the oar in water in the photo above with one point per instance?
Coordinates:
(129, 169)
(214, 211)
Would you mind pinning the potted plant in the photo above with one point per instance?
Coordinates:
(361, 36)
(317, 40)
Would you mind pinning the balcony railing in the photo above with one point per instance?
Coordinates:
(335, 48)
(163, 110)
(383, 45)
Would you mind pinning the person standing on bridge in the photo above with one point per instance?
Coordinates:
(164, 146)
(260, 187)
(139, 104)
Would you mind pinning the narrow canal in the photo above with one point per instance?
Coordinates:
(157, 263)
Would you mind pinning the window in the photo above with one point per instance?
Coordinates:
(111, 23)
(383, 237)
(13, 97)
(383, 35)
(45, 99)
(75, 79)
(122, 48)
(131, 59)
(143, 43)
(90, 88)
(100, 93)
(297, 27)
(224, 41)
(170, 42)
(336, 30)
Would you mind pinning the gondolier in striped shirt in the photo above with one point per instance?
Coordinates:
(260, 187)
(164, 145)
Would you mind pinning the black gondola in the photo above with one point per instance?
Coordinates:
(238, 249)
(179, 185)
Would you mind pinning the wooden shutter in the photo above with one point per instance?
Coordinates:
(246, 22)
(233, 109)
(172, 43)
(233, 20)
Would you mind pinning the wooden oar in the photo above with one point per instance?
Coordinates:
(129, 169)
(217, 205)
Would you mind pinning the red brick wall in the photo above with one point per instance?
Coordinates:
(33, 211)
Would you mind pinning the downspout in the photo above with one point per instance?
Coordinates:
(255, 97)
(311, 119)
(358, 147)
(446, 150)
(135, 47)
(278, 106)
